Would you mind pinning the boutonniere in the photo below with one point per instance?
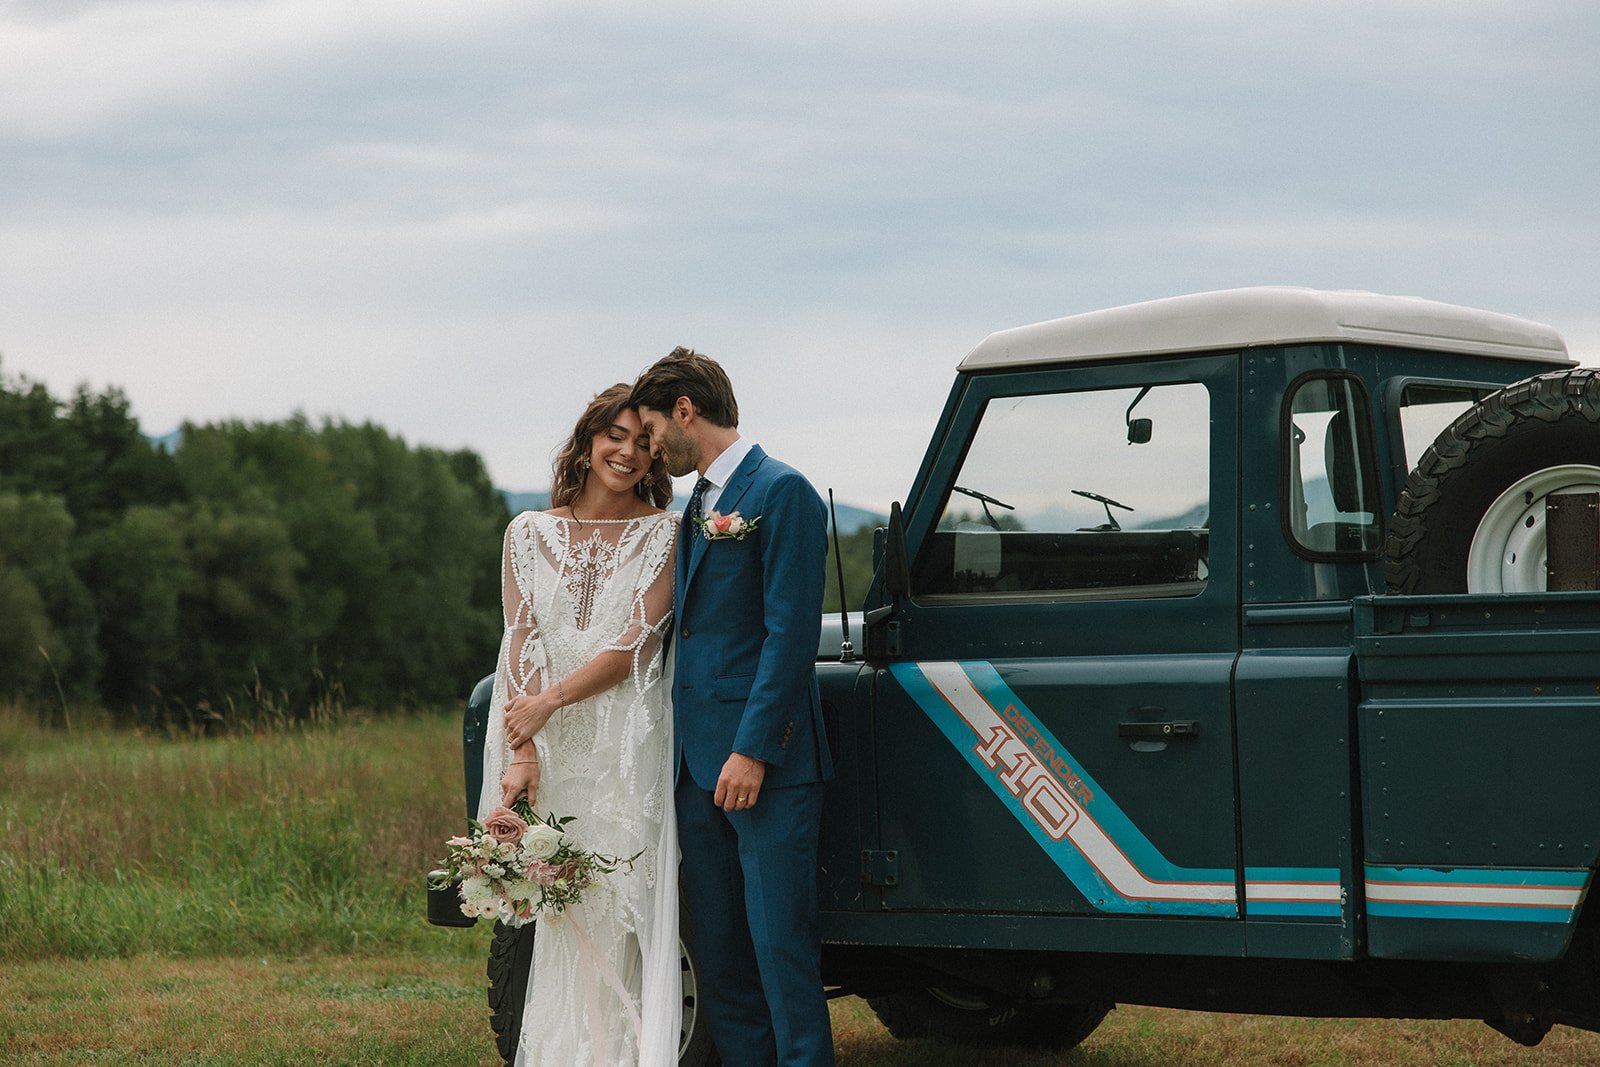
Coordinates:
(733, 526)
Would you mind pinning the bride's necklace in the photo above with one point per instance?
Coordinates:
(572, 510)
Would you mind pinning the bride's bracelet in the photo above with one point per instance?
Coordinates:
(520, 762)
(561, 691)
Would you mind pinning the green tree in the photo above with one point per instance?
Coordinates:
(272, 560)
(90, 452)
(856, 551)
(51, 638)
(235, 610)
(136, 569)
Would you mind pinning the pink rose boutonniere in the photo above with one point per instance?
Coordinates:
(733, 526)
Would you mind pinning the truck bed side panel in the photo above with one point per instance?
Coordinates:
(1479, 731)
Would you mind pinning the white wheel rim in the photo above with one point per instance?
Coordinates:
(691, 999)
(1508, 553)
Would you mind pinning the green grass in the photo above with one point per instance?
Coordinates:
(293, 842)
(399, 1010)
(258, 899)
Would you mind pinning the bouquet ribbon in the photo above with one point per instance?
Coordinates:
(596, 963)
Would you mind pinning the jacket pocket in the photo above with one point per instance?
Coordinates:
(733, 686)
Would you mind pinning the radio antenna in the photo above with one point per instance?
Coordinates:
(847, 651)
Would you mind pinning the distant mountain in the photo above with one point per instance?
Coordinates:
(520, 502)
(851, 518)
(169, 442)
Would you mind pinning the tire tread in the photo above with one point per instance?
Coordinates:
(1546, 398)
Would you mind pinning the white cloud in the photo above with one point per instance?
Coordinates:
(99, 63)
(461, 219)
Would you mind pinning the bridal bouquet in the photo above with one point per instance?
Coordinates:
(515, 865)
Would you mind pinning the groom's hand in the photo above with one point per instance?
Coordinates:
(739, 784)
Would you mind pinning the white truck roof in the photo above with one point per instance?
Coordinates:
(1268, 315)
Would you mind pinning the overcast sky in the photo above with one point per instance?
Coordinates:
(460, 219)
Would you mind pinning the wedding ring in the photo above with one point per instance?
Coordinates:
(742, 799)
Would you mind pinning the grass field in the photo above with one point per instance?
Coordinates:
(256, 899)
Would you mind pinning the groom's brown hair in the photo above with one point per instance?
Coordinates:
(685, 372)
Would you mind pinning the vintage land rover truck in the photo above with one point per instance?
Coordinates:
(1236, 651)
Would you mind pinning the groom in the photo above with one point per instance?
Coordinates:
(747, 718)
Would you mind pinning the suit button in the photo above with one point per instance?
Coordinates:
(686, 632)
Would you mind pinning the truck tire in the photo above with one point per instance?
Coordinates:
(967, 1018)
(1471, 516)
(511, 956)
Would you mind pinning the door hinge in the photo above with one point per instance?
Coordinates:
(880, 868)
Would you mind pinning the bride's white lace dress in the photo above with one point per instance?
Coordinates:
(573, 590)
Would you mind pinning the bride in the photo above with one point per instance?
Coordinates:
(586, 732)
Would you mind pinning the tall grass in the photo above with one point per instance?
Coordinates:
(265, 889)
(293, 841)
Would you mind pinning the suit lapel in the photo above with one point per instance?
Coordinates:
(727, 501)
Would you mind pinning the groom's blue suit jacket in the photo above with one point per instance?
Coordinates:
(748, 620)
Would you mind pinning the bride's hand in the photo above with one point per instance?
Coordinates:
(527, 714)
(519, 779)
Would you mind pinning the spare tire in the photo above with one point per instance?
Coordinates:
(1471, 516)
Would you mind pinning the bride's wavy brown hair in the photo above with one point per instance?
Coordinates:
(570, 473)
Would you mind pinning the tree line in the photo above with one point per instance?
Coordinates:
(252, 568)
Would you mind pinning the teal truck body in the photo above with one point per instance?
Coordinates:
(1137, 718)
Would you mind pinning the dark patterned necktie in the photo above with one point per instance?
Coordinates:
(697, 497)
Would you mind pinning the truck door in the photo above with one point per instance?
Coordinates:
(1053, 722)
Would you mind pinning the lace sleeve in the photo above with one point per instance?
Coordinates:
(520, 667)
(651, 612)
(523, 662)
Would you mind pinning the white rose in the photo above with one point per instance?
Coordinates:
(735, 524)
(541, 842)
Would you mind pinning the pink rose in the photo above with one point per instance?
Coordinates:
(721, 522)
(505, 826)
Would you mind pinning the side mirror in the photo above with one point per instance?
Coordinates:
(896, 571)
(889, 546)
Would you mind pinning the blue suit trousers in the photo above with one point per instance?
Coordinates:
(750, 883)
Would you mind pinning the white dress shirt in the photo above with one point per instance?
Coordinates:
(722, 468)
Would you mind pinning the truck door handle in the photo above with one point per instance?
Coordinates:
(1158, 731)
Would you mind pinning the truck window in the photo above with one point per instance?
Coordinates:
(1425, 410)
(1331, 496)
(1052, 499)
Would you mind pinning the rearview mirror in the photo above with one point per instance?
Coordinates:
(1139, 431)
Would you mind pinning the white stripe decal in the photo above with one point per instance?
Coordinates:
(1048, 799)
(1262, 892)
(1524, 896)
